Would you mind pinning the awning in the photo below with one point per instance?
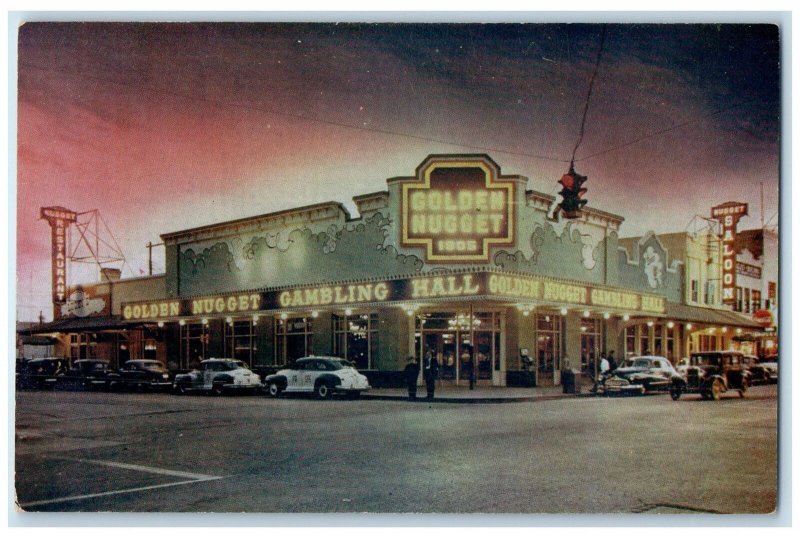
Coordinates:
(712, 316)
(74, 325)
(38, 340)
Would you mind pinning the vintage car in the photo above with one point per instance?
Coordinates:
(40, 373)
(757, 372)
(91, 374)
(218, 376)
(322, 376)
(144, 374)
(769, 366)
(640, 375)
(711, 373)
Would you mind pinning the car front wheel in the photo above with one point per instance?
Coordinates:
(274, 390)
(716, 390)
(675, 393)
(217, 390)
(743, 390)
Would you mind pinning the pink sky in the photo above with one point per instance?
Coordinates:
(170, 127)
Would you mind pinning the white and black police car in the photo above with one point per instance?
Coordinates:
(321, 376)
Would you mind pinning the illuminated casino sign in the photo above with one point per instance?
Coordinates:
(59, 220)
(484, 284)
(728, 215)
(457, 210)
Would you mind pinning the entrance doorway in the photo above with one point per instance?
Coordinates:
(449, 336)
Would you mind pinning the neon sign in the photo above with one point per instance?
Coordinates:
(728, 215)
(462, 285)
(59, 220)
(457, 210)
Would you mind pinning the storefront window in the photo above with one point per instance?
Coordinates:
(630, 341)
(658, 340)
(194, 339)
(294, 338)
(670, 344)
(548, 346)
(694, 291)
(356, 338)
(240, 342)
(756, 299)
(590, 343)
(79, 346)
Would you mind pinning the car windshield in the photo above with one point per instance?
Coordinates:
(153, 366)
(339, 364)
(705, 360)
(642, 363)
(233, 365)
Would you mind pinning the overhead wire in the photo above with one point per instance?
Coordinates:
(303, 117)
(589, 93)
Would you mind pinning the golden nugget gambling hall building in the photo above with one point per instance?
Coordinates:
(457, 259)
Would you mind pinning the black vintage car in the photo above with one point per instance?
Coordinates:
(640, 375)
(88, 374)
(712, 373)
(40, 373)
(143, 374)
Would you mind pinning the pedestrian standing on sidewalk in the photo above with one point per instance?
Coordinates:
(412, 373)
(468, 365)
(604, 366)
(430, 372)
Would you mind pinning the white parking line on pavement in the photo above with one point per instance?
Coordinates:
(153, 470)
(193, 479)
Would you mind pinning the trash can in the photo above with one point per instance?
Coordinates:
(570, 381)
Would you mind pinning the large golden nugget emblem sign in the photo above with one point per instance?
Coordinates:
(457, 209)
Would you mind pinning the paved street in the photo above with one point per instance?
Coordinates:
(155, 452)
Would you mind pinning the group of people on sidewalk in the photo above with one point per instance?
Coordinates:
(430, 373)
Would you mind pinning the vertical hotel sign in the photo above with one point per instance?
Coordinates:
(59, 219)
(457, 209)
(728, 214)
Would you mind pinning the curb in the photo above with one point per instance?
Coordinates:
(479, 400)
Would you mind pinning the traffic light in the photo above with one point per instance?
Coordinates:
(572, 193)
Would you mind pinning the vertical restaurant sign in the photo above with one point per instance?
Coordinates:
(728, 214)
(59, 220)
(457, 209)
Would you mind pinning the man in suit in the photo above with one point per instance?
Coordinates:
(412, 373)
(430, 372)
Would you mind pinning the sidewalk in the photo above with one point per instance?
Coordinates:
(479, 395)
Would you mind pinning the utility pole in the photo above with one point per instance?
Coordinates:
(150, 258)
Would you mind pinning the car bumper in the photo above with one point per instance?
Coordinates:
(611, 389)
(242, 386)
(340, 389)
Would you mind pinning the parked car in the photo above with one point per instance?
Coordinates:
(757, 372)
(769, 364)
(218, 376)
(40, 373)
(143, 374)
(640, 375)
(711, 373)
(92, 374)
(322, 376)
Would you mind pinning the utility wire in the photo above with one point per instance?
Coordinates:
(697, 119)
(293, 115)
(667, 129)
(589, 93)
